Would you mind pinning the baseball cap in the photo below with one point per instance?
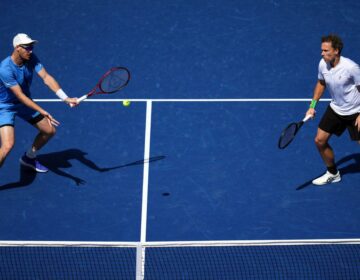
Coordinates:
(22, 39)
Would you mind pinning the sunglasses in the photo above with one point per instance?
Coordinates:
(28, 48)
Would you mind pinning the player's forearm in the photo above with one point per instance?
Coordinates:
(55, 87)
(51, 83)
(319, 90)
(28, 102)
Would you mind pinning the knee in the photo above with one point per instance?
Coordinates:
(49, 131)
(52, 131)
(319, 142)
(6, 148)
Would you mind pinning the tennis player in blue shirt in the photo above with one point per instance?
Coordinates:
(16, 73)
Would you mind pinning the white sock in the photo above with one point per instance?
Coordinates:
(30, 153)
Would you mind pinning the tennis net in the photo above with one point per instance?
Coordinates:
(277, 259)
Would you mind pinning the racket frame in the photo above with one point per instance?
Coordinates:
(98, 90)
(298, 126)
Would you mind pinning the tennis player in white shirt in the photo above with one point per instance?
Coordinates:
(341, 77)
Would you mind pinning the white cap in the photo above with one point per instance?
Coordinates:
(22, 39)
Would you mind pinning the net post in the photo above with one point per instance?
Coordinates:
(140, 262)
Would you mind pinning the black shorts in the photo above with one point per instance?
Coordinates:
(335, 124)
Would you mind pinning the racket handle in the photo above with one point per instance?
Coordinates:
(82, 98)
(308, 117)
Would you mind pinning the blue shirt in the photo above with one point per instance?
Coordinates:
(12, 75)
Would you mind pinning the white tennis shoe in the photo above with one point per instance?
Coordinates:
(327, 178)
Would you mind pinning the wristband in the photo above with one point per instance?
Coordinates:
(313, 104)
(61, 94)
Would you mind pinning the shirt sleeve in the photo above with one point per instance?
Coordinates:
(8, 78)
(37, 65)
(355, 73)
(320, 74)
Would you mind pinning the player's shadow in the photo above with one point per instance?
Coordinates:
(352, 166)
(27, 176)
(57, 161)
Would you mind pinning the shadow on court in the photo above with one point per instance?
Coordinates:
(353, 166)
(27, 176)
(57, 161)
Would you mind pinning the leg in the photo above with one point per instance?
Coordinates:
(325, 150)
(46, 132)
(332, 175)
(7, 137)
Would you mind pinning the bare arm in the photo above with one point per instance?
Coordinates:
(54, 85)
(49, 80)
(357, 121)
(31, 104)
(318, 92)
(319, 89)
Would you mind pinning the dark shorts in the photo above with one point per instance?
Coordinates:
(8, 112)
(336, 124)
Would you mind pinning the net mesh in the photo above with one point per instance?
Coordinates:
(216, 260)
(254, 262)
(22, 262)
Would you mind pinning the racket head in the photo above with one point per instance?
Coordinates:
(288, 135)
(114, 80)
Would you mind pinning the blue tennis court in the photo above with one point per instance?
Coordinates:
(188, 179)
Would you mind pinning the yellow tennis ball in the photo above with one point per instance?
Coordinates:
(126, 103)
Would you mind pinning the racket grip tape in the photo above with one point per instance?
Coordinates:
(308, 117)
(82, 98)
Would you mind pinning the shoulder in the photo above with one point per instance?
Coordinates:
(347, 62)
(34, 58)
(5, 63)
(349, 66)
(6, 66)
(323, 66)
(35, 63)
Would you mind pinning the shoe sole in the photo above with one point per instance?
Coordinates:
(32, 167)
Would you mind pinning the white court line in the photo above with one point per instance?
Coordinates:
(140, 250)
(201, 243)
(146, 171)
(195, 100)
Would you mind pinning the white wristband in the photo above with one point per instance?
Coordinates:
(61, 94)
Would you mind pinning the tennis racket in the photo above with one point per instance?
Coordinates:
(112, 81)
(289, 133)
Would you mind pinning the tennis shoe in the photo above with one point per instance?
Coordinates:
(327, 178)
(33, 163)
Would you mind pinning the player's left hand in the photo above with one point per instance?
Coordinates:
(50, 119)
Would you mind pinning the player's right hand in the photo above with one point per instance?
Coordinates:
(311, 112)
(72, 101)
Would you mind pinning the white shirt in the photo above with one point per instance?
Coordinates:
(341, 81)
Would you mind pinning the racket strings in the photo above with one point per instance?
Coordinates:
(288, 135)
(114, 81)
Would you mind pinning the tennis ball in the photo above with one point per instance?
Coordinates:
(126, 103)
